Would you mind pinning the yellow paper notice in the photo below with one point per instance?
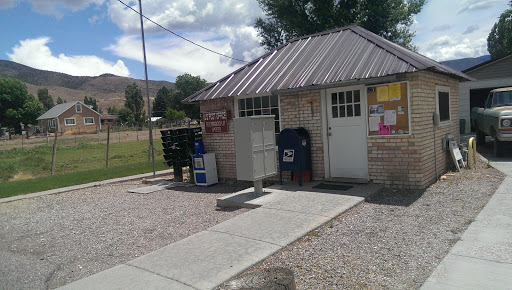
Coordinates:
(382, 94)
(395, 91)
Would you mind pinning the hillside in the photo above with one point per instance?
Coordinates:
(465, 63)
(108, 89)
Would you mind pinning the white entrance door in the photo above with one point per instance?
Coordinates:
(346, 130)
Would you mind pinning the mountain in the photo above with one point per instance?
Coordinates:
(465, 63)
(107, 89)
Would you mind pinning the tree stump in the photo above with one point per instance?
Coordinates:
(272, 278)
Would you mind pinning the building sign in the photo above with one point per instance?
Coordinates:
(215, 122)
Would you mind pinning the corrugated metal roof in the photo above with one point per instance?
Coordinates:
(343, 54)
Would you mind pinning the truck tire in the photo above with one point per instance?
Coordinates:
(498, 147)
(480, 137)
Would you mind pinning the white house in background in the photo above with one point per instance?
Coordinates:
(489, 75)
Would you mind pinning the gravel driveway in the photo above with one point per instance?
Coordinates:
(393, 241)
(50, 241)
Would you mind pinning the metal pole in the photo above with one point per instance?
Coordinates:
(147, 90)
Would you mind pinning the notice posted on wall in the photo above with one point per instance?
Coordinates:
(384, 129)
(376, 110)
(394, 92)
(374, 123)
(390, 117)
(382, 94)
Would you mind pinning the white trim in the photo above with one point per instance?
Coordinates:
(325, 140)
(444, 89)
(85, 123)
(77, 106)
(252, 96)
(65, 123)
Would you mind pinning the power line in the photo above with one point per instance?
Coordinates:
(168, 30)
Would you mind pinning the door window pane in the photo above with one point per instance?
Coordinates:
(357, 97)
(342, 97)
(248, 104)
(334, 98)
(335, 111)
(349, 97)
(273, 101)
(357, 110)
(266, 102)
(241, 104)
(342, 111)
(350, 112)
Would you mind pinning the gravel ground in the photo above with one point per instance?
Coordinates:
(393, 241)
(50, 241)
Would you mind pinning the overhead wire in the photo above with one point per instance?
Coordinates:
(168, 30)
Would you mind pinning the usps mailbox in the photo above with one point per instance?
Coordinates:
(294, 153)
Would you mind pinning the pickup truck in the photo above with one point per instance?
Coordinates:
(495, 119)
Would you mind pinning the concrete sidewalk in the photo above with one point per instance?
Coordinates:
(209, 258)
(482, 258)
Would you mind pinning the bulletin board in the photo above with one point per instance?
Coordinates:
(388, 109)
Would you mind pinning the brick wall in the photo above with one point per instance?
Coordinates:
(303, 109)
(395, 161)
(222, 144)
(409, 161)
(80, 126)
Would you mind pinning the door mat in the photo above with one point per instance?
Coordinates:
(330, 186)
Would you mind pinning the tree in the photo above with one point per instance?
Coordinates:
(59, 100)
(186, 85)
(499, 41)
(91, 102)
(134, 100)
(173, 115)
(161, 102)
(288, 19)
(125, 115)
(17, 105)
(45, 98)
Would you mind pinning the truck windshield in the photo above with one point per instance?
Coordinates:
(502, 99)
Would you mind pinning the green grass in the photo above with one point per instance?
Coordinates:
(78, 164)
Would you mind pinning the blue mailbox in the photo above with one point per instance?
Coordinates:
(294, 153)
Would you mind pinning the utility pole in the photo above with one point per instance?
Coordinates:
(150, 125)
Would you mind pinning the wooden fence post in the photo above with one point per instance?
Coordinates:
(54, 153)
(108, 144)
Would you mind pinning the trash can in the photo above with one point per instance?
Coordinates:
(294, 146)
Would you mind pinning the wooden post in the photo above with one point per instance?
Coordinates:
(47, 139)
(137, 129)
(108, 144)
(118, 134)
(75, 138)
(21, 139)
(54, 153)
(178, 173)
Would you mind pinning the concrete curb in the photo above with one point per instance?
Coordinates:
(85, 185)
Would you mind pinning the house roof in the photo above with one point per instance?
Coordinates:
(485, 63)
(340, 55)
(57, 110)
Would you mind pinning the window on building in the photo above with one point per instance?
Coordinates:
(443, 103)
(346, 104)
(78, 108)
(51, 123)
(88, 120)
(70, 121)
(255, 106)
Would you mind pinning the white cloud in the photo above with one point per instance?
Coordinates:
(173, 57)
(36, 53)
(53, 7)
(441, 27)
(225, 26)
(454, 47)
(471, 28)
(475, 5)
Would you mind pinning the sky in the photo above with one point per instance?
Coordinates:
(92, 37)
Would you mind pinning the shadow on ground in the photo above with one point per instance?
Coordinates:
(397, 197)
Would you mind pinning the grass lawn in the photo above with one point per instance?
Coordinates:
(28, 170)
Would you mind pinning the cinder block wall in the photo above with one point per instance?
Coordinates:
(303, 109)
(222, 144)
(409, 161)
